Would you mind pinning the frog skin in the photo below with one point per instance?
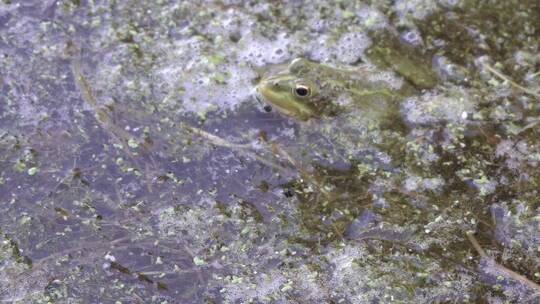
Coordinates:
(305, 89)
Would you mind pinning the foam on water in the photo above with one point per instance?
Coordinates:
(434, 107)
(260, 51)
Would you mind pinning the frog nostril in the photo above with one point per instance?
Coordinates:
(267, 108)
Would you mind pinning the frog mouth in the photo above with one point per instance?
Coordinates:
(266, 101)
(259, 97)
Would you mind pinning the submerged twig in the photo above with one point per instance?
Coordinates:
(105, 120)
(103, 116)
(218, 141)
(242, 148)
(304, 173)
(509, 273)
(476, 245)
(528, 126)
(513, 83)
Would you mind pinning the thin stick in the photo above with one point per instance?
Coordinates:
(505, 78)
(509, 273)
(103, 116)
(218, 141)
(242, 148)
(474, 242)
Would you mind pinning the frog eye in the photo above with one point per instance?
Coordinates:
(302, 90)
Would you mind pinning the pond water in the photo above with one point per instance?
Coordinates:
(138, 167)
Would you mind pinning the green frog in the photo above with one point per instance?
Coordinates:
(305, 89)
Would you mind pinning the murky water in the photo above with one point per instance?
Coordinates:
(136, 166)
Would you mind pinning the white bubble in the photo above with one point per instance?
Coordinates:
(435, 107)
(351, 47)
(412, 37)
(261, 51)
(371, 18)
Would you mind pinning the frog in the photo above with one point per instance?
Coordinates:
(305, 89)
(337, 157)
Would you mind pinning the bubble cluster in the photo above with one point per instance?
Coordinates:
(435, 107)
(448, 70)
(389, 79)
(260, 51)
(411, 37)
(371, 18)
(206, 92)
(351, 46)
(417, 9)
(416, 183)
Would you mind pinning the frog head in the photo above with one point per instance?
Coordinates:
(292, 91)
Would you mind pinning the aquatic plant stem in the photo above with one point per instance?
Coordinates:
(507, 272)
(513, 83)
(103, 116)
(242, 148)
